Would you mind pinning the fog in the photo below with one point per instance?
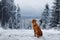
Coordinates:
(33, 7)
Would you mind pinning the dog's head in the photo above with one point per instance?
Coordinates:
(34, 21)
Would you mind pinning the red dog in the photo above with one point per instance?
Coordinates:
(37, 30)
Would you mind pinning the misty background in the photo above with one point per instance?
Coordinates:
(32, 8)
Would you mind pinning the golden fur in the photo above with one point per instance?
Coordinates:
(37, 30)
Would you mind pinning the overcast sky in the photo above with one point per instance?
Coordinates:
(33, 7)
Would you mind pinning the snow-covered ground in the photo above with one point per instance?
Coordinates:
(28, 35)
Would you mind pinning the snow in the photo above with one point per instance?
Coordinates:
(28, 35)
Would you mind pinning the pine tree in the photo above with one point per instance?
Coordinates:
(45, 16)
(29, 25)
(56, 13)
(0, 11)
(4, 12)
(8, 12)
(10, 23)
(18, 17)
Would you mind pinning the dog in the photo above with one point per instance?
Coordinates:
(37, 30)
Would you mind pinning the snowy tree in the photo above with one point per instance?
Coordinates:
(9, 4)
(18, 17)
(0, 11)
(15, 17)
(56, 13)
(29, 25)
(8, 13)
(10, 23)
(4, 10)
(45, 16)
